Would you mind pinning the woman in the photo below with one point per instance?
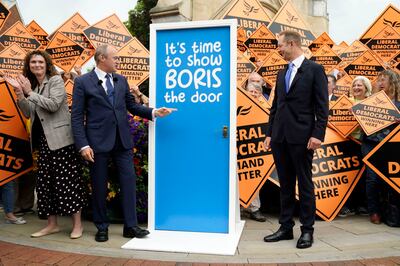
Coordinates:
(41, 97)
(360, 89)
(389, 82)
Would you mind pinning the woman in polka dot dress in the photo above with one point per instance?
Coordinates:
(60, 188)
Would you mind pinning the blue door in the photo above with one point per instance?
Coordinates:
(192, 144)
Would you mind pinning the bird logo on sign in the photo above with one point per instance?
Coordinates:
(394, 24)
(111, 25)
(241, 110)
(291, 18)
(249, 9)
(19, 31)
(60, 41)
(4, 117)
(133, 50)
(14, 53)
(76, 26)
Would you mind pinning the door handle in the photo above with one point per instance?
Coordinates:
(225, 132)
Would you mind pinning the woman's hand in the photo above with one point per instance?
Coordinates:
(16, 85)
(25, 84)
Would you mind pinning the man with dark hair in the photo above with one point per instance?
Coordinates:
(101, 100)
(297, 125)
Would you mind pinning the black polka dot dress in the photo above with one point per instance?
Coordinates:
(60, 188)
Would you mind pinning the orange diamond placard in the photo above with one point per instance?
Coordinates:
(20, 35)
(250, 15)
(73, 29)
(384, 159)
(389, 17)
(386, 43)
(64, 51)
(133, 62)
(244, 68)
(289, 18)
(340, 117)
(375, 113)
(352, 52)
(326, 57)
(12, 60)
(270, 68)
(261, 43)
(343, 86)
(4, 13)
(39, 33)
(365, 65)
(336, 169)
(109, 31)
(320, 41)
(254, 163)
(241, 38)
(15, 151)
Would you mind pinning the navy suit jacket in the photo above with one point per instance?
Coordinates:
(95, 121)
(303, 111)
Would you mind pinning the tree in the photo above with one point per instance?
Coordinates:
(139, 20)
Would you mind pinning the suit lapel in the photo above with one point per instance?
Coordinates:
(281, 80)
(299, 73)
(98, 86)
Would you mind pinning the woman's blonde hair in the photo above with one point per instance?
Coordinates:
(366, 82)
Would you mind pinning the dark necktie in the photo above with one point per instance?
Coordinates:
(110, 89)
(287, 77)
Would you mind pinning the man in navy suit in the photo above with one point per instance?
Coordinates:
(101, 100)
(297, 125)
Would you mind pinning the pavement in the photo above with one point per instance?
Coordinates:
(351, 240)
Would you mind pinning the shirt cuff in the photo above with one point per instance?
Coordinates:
(153, 115)
(84, 147)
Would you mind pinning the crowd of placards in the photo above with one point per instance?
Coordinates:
(73, 44)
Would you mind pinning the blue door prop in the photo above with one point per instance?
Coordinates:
(192, 145)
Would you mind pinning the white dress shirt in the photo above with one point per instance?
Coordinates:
(101, 75)
(296, 65)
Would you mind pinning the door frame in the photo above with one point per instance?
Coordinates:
(234, 213)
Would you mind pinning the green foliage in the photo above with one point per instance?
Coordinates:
(139, 20)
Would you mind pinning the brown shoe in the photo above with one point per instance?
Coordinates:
(375, 218)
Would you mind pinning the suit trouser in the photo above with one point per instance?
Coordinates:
(123, 160)
(293, 160)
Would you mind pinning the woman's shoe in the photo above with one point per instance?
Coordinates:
(76, 235)
(45, 233)
(18, 220)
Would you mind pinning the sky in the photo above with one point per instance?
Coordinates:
(348, 20)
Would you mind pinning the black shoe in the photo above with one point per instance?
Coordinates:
(346, 211)
(279, 235)
(305, 241)
(257, 216)
(362, 211)
(135, 231)
(101, 235)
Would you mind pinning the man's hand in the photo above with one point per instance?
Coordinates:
(164, 111)
(313, 144)
(88, 154)
(267, 143)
